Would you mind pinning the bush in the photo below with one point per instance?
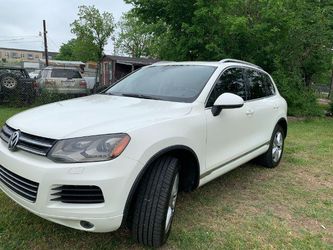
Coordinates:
(301, 101)
(49, 97)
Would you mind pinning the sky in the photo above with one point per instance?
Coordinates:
(21, 21)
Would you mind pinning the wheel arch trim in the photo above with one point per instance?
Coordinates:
(144, 170)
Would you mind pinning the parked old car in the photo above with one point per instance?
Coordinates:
(15, 83)
(62, 80)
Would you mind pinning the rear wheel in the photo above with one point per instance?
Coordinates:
(274, 154)
(156, 201)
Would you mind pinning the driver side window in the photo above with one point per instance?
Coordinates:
(231, 81)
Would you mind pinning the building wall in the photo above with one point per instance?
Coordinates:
(19, 55)
(10, 55)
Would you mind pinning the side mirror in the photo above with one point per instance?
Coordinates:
(227, 101)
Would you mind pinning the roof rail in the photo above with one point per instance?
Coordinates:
(161, 62)
(239, 61)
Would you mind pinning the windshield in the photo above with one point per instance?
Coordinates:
(180, 83)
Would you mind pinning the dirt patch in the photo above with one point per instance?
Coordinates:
(302, 223)
(314, 182)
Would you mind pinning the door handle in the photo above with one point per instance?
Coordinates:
(249, 112)
(276, 107)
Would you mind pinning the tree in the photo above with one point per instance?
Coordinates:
(288, 38)
(78, 50)
(94, 26)
(134, 38)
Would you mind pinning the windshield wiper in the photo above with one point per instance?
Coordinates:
(139, 96)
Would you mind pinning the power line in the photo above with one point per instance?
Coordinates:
(21, 41)
(8, 40)
(18, 36)
(52, 41)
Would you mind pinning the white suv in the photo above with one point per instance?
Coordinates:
(121, 157)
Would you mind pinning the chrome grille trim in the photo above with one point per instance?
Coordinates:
(35, 142)
(4, 137)
(30, 143)
(30, 150)
(7, 131)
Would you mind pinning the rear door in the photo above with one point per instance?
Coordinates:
(262, 106)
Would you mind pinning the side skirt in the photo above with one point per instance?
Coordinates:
(232, 164)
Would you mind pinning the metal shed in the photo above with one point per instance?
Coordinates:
(114, 68)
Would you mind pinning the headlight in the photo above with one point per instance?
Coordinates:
(89, 149)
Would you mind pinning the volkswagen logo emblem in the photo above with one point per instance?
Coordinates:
(13, 140)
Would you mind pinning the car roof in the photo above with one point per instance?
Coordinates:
(223, 63)
(203, 63)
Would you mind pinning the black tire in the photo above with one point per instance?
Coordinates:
(267, 159)
(8, 82)
(152, 203)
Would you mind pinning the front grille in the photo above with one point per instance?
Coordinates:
(78, 194)
(22, 186)
(30, 143)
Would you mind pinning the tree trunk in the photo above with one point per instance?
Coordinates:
(307, 80)
(330, 94)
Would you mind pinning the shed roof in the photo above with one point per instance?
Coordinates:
(130, 60)
(61, 63)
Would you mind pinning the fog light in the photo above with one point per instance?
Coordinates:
(86, 224)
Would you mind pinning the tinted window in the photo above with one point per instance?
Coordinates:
(269, 87)
(65, 73)
(256, 84)
(231, 81)
(166, 82)
(260, 85)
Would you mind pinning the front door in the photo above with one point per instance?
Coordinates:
(228, 133)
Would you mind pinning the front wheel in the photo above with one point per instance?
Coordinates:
(274, 154)
(156, 201)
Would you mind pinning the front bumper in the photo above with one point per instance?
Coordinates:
(115, 178)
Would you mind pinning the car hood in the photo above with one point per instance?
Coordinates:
(96, 114)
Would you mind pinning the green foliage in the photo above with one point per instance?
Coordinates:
(301, 101)
(289, 38)
(50, 97)
(94, 27)
(134, 38)
(78, 50)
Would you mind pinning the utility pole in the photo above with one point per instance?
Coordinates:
(330, 93)
(45, 44)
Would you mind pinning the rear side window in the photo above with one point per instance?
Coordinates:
(260, 84)
(65, 73)
(269, 87)
(231, 81)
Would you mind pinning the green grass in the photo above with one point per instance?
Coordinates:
(289, 207)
